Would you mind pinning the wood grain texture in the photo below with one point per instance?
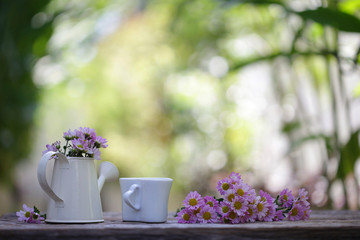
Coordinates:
(322, 225)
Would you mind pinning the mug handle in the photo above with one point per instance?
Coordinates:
(41, 174)
(130, 192)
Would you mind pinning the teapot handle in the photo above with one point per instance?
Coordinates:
(41, 174)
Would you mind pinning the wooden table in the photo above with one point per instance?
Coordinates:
(322, 225)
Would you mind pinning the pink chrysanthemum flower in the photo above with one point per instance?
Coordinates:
(193, 201)
(235, 177)
(186, 216)
(196, 211)
(29, 215)
(251, 195)
(70, 135)
(251, 213)
(207, 214)
(86, 133)
(229, 196)
(296, 213)
(307, 213)
(270, 214)
(224, 185)
(211, 201)
(25, 216)
(80, 144)
(268, 202)
(286, 199)
(100, 142)
(224, 209)
(36, 218)
(79, 134)
(94, 152)
(266, 197)
(303, 197)
(279, 216)
(242, 189)
(261, 207)
(54, 147)
(239, 205)
(233, 217)
(303, 194)
(305, 207)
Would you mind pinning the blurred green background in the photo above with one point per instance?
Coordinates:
(190, 90)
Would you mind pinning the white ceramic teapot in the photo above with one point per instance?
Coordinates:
(75, 191)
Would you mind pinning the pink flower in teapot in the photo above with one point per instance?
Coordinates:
(82, 142)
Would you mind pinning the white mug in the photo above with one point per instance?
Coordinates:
(145, 199)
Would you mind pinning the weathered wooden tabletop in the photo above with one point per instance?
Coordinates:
(322, 225)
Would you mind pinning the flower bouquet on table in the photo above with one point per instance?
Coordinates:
(82, 142)
(241, 204)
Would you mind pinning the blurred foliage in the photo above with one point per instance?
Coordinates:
(168, 84)
(177, 106)
(311, 47)
(24, 37)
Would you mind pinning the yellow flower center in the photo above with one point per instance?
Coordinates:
(192, 202)
(260, 207)
(231, 197)
(225, 209)
(237, 205)
(232, 215)
(207, 215)
(250, 211)
(294, 212)
(225, 186)
(210, 203)
(263, 199)
(285, 197)
(186, 217)
(27, 214)
(240, 192)
(197, 211)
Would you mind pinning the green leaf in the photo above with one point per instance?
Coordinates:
(277, 200)
(299, 142)
(36, 210)
(288, 209)
(291, 126)
(178, 210)
(349, 154)
(219, 199)
(334, 18)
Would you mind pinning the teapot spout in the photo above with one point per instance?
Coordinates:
(107, 172)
